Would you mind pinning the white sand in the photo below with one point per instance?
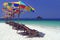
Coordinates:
(7, 33)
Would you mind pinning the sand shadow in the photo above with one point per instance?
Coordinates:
(40, 34)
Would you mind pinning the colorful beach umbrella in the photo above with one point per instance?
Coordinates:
(16, 7)
(20, 5)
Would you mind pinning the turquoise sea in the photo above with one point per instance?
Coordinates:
(49, 23)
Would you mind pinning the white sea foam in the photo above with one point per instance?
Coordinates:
(7, 33)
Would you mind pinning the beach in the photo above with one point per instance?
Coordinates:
(7, 33)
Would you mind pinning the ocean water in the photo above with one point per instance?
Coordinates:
(46, 23)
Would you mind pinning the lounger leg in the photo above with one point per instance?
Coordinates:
(24, 31)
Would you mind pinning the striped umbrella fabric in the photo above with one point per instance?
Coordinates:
(17, 6)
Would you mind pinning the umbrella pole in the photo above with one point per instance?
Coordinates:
(19, 15)
(13, 17)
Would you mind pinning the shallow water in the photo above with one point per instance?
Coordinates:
(41, 22)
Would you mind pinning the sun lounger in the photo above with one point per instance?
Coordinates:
(27, 31)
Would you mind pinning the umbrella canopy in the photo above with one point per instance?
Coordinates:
(16, 7)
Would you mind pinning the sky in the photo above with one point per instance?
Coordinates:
(47, 9)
